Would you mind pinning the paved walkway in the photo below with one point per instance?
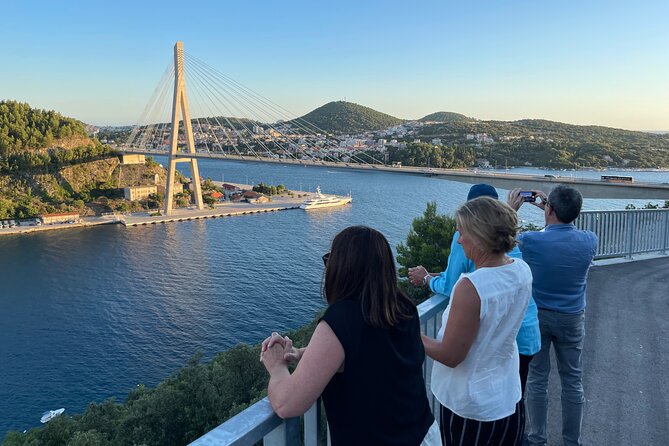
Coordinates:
(626, 357)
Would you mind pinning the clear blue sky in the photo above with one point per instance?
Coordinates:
(581, 62)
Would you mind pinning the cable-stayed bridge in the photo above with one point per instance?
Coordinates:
(219, 118)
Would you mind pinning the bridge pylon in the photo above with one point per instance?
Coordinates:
(180, 104)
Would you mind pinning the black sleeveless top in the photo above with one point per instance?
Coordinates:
(380, 397)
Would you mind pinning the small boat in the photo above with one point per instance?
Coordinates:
(325, 201)
(51, 414)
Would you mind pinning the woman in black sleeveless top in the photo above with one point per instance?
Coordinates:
(365, 356)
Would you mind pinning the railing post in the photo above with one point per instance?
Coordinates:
(313, 434)
(631, 227)
(287, 434)
(665, 232)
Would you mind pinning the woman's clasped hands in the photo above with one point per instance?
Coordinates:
(277, 349)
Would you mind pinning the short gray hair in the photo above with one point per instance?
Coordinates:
(566, 203)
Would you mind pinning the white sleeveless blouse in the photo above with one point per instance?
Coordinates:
(486, 385)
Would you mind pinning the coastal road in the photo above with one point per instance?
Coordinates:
(625, 357)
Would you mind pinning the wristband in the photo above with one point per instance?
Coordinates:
(426, 279)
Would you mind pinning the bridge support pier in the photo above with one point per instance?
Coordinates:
(180, 104)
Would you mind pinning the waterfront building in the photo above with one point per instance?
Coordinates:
(64, 217)
(230, 189)
(218, 196)
(237, 196)
(132, 159)
(255, 197)
(133, 193)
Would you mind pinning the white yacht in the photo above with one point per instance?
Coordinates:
(51, 414)
(325, 201)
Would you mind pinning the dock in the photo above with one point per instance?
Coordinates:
(221, 210)
(226, 209)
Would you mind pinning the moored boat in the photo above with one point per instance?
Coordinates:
(51, 414)
(325, 201)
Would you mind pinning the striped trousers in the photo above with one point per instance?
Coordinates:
(458, 431)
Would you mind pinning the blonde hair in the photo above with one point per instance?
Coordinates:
(491, 223)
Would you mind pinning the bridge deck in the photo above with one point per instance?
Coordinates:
(590, 188)
(626, 357)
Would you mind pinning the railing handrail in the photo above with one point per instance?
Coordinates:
(623, 211)
(259, 420)
(627, 232)
(256, 420)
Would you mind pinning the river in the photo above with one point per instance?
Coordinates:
(89, 314)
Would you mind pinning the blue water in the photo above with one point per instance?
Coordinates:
(88, 314)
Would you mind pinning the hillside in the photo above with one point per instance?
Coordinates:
(542, 143)
(445, 117)
(89, 187)
(49, 164)
(347, 117)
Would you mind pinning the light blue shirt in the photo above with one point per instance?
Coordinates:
(559, 257)
(529, 337)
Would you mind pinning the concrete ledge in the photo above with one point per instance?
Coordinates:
(214, 213)
(635, 258)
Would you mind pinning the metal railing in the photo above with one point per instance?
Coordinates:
(260, 423)
(628, 232)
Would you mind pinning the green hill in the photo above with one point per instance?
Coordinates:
(348, 117)
(543, 143)
(48, 163)
(443, 116)
(23, 127)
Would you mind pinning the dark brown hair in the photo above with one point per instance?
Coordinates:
(361, 267)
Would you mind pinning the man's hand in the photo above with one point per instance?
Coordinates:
(514, 199)
(544, 199)
(417, 275)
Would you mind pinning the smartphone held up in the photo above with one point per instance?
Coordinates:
(528, 196)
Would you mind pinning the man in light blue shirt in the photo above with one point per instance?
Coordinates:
(528, 338)
(559, 257)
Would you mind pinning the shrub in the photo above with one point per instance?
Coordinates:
(429, 244)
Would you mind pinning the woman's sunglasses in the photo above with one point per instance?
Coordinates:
(326, 256)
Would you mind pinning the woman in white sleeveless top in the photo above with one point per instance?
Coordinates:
(475, 374)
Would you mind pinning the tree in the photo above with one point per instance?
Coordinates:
(428, 244)
(122, 206)
(208, 200)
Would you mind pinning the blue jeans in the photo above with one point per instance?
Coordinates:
(566, 332)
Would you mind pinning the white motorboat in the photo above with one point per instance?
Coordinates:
(325, 201)
(51, 414)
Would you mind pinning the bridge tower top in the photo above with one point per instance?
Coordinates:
(179, 60)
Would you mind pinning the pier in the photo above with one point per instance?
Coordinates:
(222, 210)
(227, 209)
